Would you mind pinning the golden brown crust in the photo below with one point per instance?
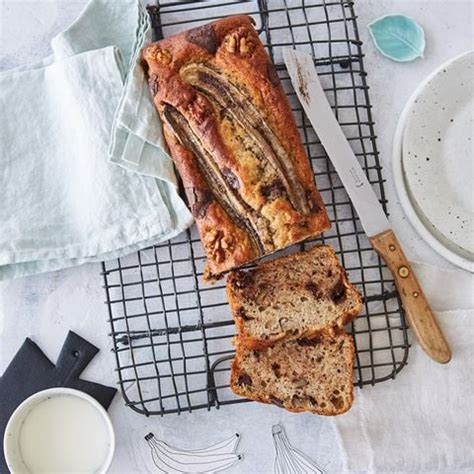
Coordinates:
(230, 50)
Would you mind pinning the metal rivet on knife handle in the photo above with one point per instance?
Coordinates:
(403, 271)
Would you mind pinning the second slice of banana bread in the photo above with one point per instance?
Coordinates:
(306, 375)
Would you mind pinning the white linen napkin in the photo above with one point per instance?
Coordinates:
(423, 421)
(62, 202)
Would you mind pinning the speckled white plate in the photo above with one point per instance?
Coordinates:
(434, 160)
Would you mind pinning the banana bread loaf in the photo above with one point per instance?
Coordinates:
(306, 375)
(296, 296)
(233, 138)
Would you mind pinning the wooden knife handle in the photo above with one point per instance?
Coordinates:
(419, 314)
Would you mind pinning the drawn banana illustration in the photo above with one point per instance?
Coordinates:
(228, 445)
(289, 460)
(217, 457)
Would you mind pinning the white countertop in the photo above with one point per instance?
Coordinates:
(46, 306)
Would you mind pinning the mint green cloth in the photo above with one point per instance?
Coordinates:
(65, 124)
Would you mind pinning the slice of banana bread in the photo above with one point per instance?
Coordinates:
(306, 375)
(292, 297)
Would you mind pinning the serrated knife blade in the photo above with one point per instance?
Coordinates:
(310, 92)
(315, 103)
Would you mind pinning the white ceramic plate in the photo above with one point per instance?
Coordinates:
(434, 160)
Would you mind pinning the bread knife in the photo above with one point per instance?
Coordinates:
(310, 92)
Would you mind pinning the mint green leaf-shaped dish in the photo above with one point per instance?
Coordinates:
(398, 37)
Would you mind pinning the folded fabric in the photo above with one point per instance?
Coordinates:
(137, 141)
(63, 202)
(421, 421)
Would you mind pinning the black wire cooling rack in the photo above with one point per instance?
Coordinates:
(172, 334)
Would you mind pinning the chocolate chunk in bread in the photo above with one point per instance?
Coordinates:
(311, 377)
(292, 297)
(204, 37)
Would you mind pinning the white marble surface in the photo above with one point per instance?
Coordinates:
(46, 306)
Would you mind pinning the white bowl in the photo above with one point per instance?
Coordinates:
(11, 440)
